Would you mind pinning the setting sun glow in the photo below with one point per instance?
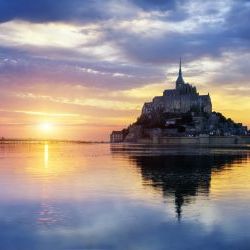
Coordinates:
(46, 127)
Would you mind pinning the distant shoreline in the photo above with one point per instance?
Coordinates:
(52, 141)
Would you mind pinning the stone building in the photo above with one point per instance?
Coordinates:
(116, 136)
(181, 116)
(182, 99)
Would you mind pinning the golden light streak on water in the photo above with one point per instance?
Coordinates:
(46, 155)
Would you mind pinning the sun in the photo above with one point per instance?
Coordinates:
(46, 127)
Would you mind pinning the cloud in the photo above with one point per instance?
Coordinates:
(21, 65)
(122, 51)
(238, 19)
(142, 38)
(42, 11)
(50, 11)
(156, 4)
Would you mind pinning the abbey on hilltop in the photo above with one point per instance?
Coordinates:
(181, 115)
(182, 99)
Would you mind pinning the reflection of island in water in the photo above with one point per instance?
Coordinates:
(183, 176)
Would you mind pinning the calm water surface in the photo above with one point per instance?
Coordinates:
(98, 196)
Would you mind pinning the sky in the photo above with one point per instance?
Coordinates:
(78, 69)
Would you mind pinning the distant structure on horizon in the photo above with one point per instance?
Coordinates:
(184, 114)
(182, 99)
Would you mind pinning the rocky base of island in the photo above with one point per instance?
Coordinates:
(184, 129)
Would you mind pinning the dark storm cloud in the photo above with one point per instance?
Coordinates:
(49, 10)
(80, 11)
(238, 20)
(162, 5)
(169, 10)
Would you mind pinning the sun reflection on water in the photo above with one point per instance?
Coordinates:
(46, 155)
(48, 214)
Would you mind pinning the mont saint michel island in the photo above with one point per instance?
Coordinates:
(182, 116)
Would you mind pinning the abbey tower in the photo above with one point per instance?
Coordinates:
(184, 98)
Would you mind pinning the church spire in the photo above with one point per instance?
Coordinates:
(179, 80)
(180, 72)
